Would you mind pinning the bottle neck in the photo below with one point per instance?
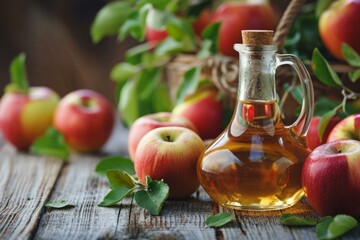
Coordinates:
(257, 66)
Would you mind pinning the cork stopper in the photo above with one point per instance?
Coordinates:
(257, 37)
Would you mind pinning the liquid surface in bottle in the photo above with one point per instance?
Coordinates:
(255, 164)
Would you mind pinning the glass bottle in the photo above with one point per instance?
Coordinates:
(256, 163)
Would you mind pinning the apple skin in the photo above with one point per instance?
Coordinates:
(331, 178)
(149, 122)
(85, 118)
(202, 21)
(238, 16)
(338, 24)
(312, 137)
(24, 117)
(205, 110)
(171, 154)
(348, 128)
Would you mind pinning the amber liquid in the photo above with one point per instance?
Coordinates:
(255, 164)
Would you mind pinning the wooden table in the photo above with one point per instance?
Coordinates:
(27, 182)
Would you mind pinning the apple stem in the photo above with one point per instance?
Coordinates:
(168, 138)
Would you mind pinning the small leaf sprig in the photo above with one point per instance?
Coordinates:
(219, 219)
(327, 228)
(59, 204)
(327, 75)
(123, 182)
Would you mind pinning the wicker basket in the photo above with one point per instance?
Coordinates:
(223, 71)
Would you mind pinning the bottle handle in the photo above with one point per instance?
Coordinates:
(302, 123)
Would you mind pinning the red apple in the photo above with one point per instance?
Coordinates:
(85, 118)
(205, 110)
(331, 178)
(348, 128)
(238, 16)
(338, 24)
(171, 154)
(312, 137)
(26, 116)
(149, 122)
(155, 29)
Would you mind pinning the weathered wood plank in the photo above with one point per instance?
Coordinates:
(180, 219)
(25, 184)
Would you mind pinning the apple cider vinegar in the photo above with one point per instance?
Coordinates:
(256, 162)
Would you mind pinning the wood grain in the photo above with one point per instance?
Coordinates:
(25, 185)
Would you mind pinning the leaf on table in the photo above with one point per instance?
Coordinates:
(189, 84)
(219, 219)
(323, 71)
(292, 220)
(59, 204)
(115, 196)
(334, 227)
(115, 162)
(120, 179)
(52, 143)
(109, 19)
(153, 197)
(351, 56)
(324, 121)
(19, 80)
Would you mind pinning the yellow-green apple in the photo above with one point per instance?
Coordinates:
(331, 178)
(238, 16)
(171, 154)
(149, 122)
(312, 138)
(205, 110)
(26, 116)
(338, 24)
(85, 118)
(348, 128)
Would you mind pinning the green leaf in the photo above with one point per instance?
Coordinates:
(134, 25)
(52, 143)
(19, 81)
(219, 219)
(296, 92)
(120, 179)
(123, 71)
(189, 84)
(205, 51)
(354, 76)
(321, 6)
(324, 105)
(157, 19)
(323, 70)
(351, 56)
(324, 121)
(181, 30)
(169, 46)
(109, 19)
(331, 228)
(211, 33)
(115, 162)
(134, 55)
(59, 204)
(128, 103)
(292, 220)
(153, 197)
(115, 196)
(161, 101)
